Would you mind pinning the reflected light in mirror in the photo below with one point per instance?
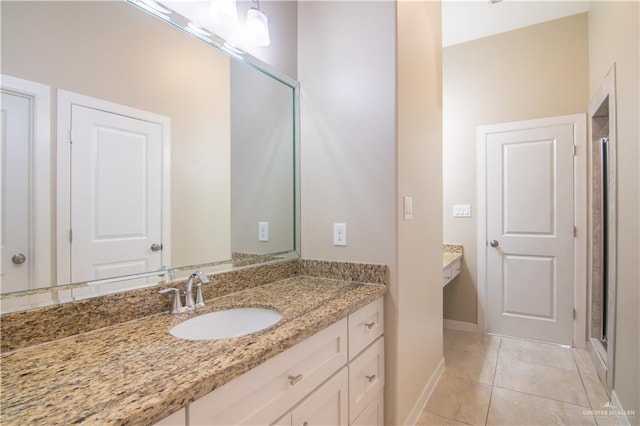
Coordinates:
(257, 26)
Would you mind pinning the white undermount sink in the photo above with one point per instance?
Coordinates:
(224, 324)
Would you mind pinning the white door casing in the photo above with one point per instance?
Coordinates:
(113, 190)
(25, 168)
(528, 184)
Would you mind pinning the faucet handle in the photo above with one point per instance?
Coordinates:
(177, 304)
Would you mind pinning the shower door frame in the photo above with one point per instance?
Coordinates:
(606, 93)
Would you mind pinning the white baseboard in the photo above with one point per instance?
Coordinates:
(460, 325)
(426, 393)
(623, 419)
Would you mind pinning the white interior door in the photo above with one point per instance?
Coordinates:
(15, 131)
(530, 232)
(116, 194)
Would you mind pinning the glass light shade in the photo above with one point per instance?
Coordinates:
(224, 12)
(257, 27)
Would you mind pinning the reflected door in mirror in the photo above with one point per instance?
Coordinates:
(116, 195)
(16, 124)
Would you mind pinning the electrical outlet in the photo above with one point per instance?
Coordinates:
(263, 231)
(339, 234)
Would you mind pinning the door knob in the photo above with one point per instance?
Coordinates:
(156, 247)
(18, 259)
(494, 243)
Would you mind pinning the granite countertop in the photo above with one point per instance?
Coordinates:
(449, 258)
(137, 373)
(450, 253)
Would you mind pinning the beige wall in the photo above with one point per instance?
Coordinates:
(417, 298)
(613, 37)
(148, 65)
(534, 72)
(261, 161)
(357, 162)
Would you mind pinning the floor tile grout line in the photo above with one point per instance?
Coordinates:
(448, 418)
(595, 419)
(493, 382)
(545, 397)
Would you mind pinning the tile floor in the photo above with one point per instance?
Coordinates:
(491, 380)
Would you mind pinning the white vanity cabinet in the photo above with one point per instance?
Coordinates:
(327, 405)
(451, 271)
(334, 377)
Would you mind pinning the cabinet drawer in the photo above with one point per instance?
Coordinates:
(446, 276)
(263, 394)
(366, 378)
(455, 268)
(373, 414)
(365, 325)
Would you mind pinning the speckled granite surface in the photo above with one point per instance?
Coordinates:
(137, 373)
(347, 271)
(22, 329)
(450, 253)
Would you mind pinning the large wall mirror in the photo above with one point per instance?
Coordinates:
(133, 152)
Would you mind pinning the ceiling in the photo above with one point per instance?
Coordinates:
(463, 21)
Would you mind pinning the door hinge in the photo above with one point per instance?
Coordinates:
(575, 150)
(70, 236)
(575, 231)
(574, 313)
(70, 135)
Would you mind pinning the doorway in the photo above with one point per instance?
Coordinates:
(531, 251)
(603, 230)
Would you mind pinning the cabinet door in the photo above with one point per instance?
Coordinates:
(373, 414)
(284, 420)
(262, 395)
(366, 378)
(327, 405)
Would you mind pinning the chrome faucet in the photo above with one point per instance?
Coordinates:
(188, 295)
(189, 304)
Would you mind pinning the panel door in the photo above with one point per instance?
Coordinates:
(15, 131)
(530, 253)
(116, 195)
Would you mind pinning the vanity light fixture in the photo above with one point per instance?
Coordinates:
(224, 12)
(197, 30)
(257, 26)
(155, 8)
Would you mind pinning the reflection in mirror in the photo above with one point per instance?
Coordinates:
(147, 151)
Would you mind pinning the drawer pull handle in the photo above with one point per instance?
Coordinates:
(305, 424)
(370, 325)
(371, 378)
(295, 379)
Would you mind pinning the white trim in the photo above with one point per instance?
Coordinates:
(65, 101)
(421, 404)
(580, 217)
(622, 418)
(460, 325)
(40, 198)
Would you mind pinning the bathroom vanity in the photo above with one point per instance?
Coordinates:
(327, 349)
(451, 262)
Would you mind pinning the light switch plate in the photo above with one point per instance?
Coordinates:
(408, 208)
(462, 210)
